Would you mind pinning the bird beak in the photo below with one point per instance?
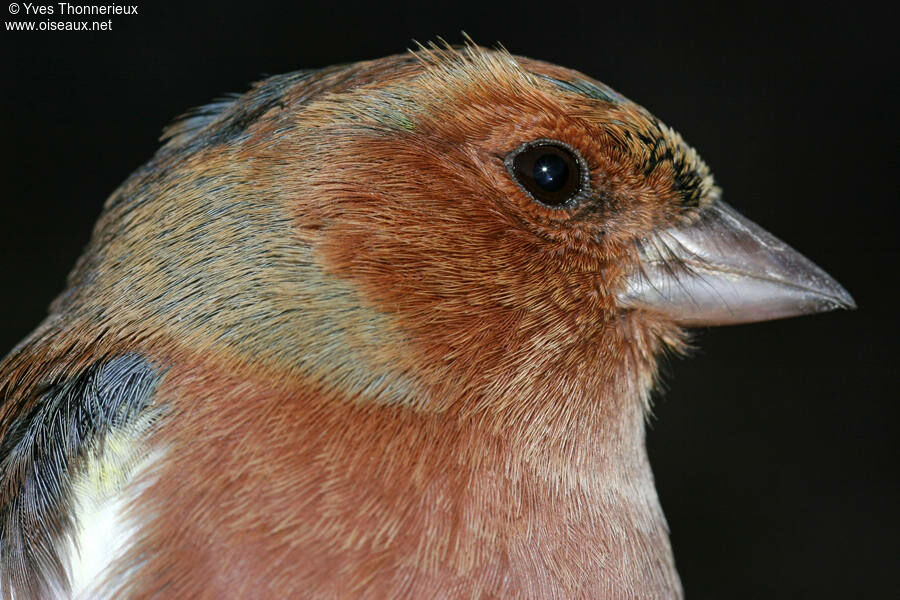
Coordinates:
(724, 269)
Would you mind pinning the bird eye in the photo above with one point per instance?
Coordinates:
(550, 171)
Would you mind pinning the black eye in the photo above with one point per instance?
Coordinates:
(548, 170)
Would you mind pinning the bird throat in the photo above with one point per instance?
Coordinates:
(550, 494)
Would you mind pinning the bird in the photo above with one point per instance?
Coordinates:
(387, 329)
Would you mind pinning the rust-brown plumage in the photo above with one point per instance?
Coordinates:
(375, 366)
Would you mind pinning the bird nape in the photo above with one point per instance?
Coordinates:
(380, 330)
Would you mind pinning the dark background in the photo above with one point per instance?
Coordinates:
(774, 447)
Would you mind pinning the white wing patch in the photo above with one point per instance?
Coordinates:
(102, 535)
(104, 527)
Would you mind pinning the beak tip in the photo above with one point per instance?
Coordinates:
(845, 301)
(832, 295)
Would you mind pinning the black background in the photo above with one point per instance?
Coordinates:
(774, 446)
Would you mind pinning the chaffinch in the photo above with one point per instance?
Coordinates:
(380, 330)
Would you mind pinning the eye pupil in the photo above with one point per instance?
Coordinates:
(550, 172)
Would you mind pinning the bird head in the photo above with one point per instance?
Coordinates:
(454, 217)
